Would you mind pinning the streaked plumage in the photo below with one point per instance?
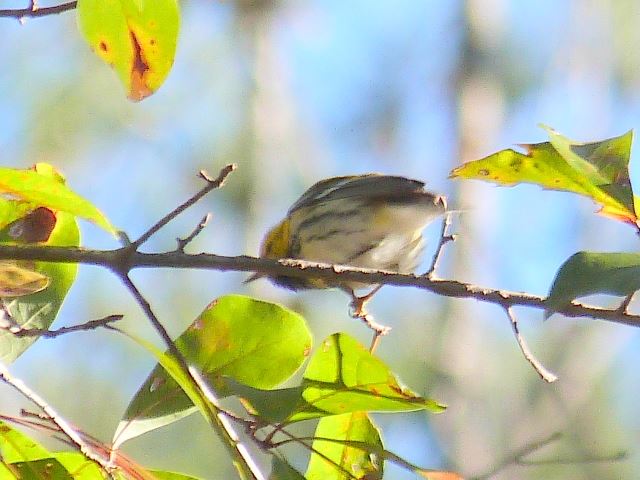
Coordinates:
(369, 221)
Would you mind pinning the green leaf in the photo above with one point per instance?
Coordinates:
(42, 186)
(15, 446)
(257, 343)
(342, 377)
(164, 475)
(39, 310)
(598, 170)
(136, 37)
(12, 210)
(207, 407)
(588, 273)
(44, 468)
(281, 470)
(334, 461)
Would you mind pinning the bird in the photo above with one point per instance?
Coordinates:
(370, 221)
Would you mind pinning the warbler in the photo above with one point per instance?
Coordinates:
(367, 221)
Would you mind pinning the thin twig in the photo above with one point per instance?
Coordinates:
(33, 10)
(515, 457)
(308, 270)
(445, 238)
(303, 441)
(183, 242)
(544, 373)
(62, 424)
(212, 184)
(613, 457)
(43, 332)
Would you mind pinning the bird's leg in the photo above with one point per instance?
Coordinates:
(358, 311)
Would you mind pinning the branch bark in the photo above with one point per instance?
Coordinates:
(34, 11)
(115, 259)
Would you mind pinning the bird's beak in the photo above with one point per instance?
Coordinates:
(253, 277)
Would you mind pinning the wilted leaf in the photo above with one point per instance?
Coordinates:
(136, 37)
(42, 186)
(257, 343)
(588, 273)
(598, 170)
(332, 461)
(39, 310)
(18, 281)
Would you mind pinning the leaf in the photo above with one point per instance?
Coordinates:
(257, 343)
(12, 210)
(39, 310)
(15, 446)
(42, 186)
(332, 461)
(44, 468)
(281, 470)
(598, 170)
(164, 475)
(18, 281)
(342, 377)
(136, 37)
(588, 273)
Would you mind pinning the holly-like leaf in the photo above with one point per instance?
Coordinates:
(39, 310)
(42, 186)
(598, 170)
(340, 461)
(342, 377)
(137, 38)
(589, 273)
(257, 343)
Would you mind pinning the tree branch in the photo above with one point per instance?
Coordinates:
(212, 184)
(33, 10)
(56, 418)
(43, 332)
(547, 375)
(112, 259)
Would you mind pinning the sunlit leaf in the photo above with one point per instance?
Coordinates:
(136, 37)
(598, 170)
(39, 310)
(11, 210)
(42, 186)
(588, 273)
(257, 343)
(334, 461)
(342, 377)
(15, 446)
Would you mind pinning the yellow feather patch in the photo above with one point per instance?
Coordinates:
(276, 242)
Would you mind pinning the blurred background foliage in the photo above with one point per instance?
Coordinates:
(297, 91)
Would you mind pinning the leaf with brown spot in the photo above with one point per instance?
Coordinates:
(598, 170)
(137, 38)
